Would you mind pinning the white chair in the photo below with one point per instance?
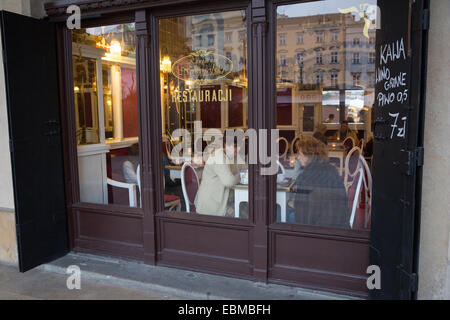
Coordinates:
(132, 188)
(293, 143)
(355, 186)
(352, 159)
(282, 175)
(132, 194)
(170, 202)
(348, 143)
(361, 144)
(367, 180)
(286, 149)
(189, 202)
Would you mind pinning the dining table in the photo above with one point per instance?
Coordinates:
(337, 151)
(283, 189)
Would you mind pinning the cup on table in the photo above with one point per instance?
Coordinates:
(244, 176)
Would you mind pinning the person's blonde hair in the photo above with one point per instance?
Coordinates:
(311, 147)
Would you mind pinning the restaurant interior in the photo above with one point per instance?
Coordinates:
(325, 83)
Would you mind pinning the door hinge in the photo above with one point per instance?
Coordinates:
(407, 161)
(419, 156)
(425, 19)
(414, 278)
(410, 280)
(18, 230)
(411, 159)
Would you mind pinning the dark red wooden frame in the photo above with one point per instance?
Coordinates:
(258, 248)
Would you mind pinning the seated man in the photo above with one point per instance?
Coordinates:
(345, 132)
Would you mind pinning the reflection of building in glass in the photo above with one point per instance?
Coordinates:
(324, 56)
(208, 76)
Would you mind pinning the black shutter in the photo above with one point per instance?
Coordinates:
(30, 63)
(397, 160)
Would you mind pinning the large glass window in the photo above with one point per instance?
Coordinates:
(324, 113)
(204, 94)
(106, 114)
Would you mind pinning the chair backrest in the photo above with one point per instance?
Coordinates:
(354, 194)
(281, 175)
(138, 178)
(348, 143)
(367, 180)
(361, 144)
(352, 165)
(189, 184)
(293, 151)
(284, 151)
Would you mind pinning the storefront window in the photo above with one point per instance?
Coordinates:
(324, 109)
(203, 80)
(106, 114)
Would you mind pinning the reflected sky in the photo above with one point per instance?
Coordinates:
(324, 7)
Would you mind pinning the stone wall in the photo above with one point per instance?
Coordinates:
(434, 259)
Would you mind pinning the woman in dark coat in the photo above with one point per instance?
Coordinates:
(319, 195)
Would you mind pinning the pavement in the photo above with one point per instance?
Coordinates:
(39, 284)
(115, 279)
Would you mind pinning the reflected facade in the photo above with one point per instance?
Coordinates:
(325, 88)
(203, 81)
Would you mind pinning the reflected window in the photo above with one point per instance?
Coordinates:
(324, 95)
(355, 58)
(334, 35)
(203, 94)
(334, 57)
(320, 37)
(319, 57)
(282, 39)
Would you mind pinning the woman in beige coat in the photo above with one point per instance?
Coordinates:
(217, 179)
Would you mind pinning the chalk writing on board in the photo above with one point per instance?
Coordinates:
(393, 84)
(392, 52)
(401, 130)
